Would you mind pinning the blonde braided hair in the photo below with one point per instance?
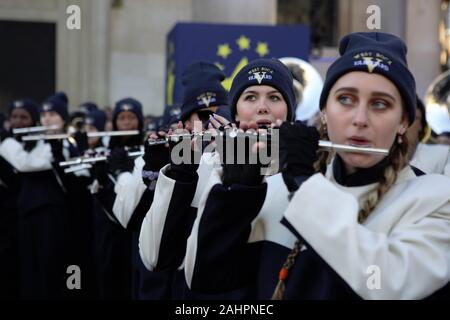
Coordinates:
(398, 158)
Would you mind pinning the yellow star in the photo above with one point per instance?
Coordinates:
(243, 43)
(227, 82)
(223, 50)
(262, 49)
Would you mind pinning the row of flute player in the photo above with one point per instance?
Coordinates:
(355, 191)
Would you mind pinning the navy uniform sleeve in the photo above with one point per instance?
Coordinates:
(224, 260)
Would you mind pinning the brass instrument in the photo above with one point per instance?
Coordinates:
(437, 96)
(437, 104)
(308, 85)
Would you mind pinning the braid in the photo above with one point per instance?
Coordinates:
(323, 156)
(398, 158)
(284, 272)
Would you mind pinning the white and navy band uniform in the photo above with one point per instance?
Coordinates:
(234, 243)
(169, 221)
(113, 244)
(170, 217)
(9, 190)
(202, 90)
(49, 220)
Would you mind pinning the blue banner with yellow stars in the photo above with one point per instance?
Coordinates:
(230, 47)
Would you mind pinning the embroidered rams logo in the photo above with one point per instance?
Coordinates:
(371, 64)
(372, 60)
(206, 98)
(260, 76)
(126, 107)
(18, 104)
(47, 106)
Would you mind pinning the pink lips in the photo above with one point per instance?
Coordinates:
(358, 141)
(263, 122)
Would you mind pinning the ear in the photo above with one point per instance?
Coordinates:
(236, 117)
(323, 117)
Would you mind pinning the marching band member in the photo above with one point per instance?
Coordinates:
(261, 93)
(23, 113)
(43, 206)
(94, 122)
(368, 212)
(113, 247)
(203, 95)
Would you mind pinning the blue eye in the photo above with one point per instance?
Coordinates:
(345, 100)
(380, 104)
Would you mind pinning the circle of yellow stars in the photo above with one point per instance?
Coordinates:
(224, 50)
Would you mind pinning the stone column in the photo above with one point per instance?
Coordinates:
(83, 55)
(422, 19)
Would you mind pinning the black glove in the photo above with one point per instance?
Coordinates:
(156, 156)
(180, 168)
(240, 173)
(298, 152)
(81, 139)
(100, 172)
(119, 161)
(57, 150)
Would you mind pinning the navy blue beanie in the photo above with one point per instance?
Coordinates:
(202, 88)
(29, 105)
(268, 72)
(57, 103)
(96, 118)
(128, 104)
(87, 107)
(374, 52)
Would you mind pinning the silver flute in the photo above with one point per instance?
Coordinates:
(34, 129)
(92, 159)
(89, 134)
(82, 160)
(323, 144)
(79, 167)
(177, 136)
(347, 148)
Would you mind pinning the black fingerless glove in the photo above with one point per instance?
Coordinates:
(237, 168)
(57, 150)
(81, 139)
(119, 161)
(182, 167)
(155, 157)
(99, 171)
(298, 152)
